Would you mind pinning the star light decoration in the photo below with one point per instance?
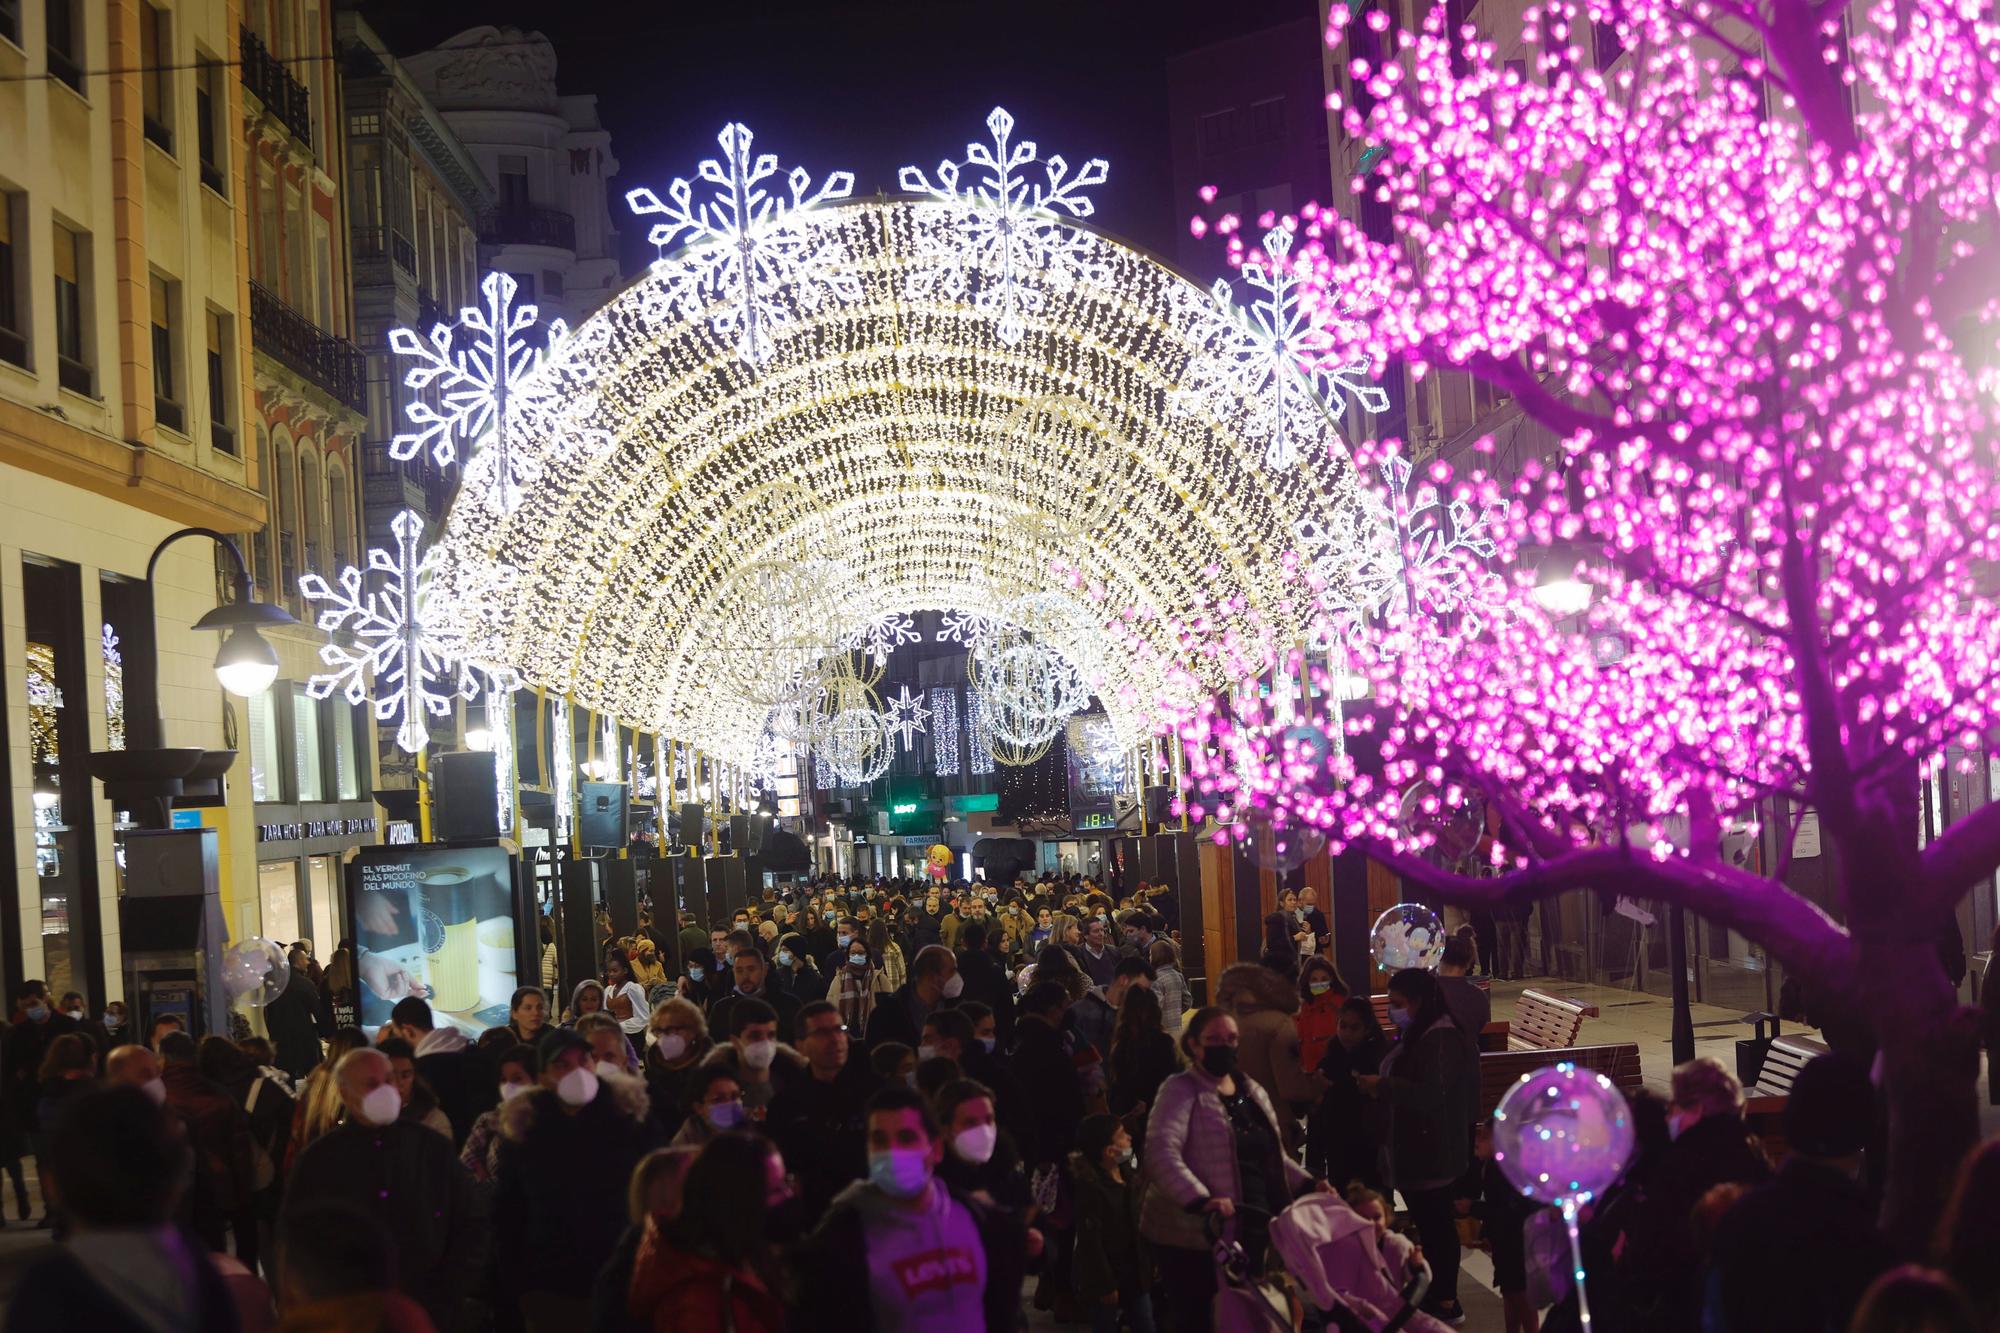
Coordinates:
(747, 266)
(1006, 224)
(487, 376)
(383, 642)
(1274, 358)
(905, 716)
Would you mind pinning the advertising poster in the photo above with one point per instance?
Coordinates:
(435, 922)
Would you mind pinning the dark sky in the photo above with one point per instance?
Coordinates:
(869, 85)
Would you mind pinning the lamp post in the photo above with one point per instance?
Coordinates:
(147, 777)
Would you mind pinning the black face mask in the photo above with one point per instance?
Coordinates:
(1219, 1061)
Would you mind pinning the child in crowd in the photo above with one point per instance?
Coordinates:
(1109, 1272)
(1341, 1138)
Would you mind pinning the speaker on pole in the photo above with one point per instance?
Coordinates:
(465, 796)
(739, 834)
(604, 811)
(692, 816)
(1159, 805)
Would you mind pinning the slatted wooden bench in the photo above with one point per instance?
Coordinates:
(1764, 1102)
(1501, 1070)
(1493, 1037)
(1544, 1022)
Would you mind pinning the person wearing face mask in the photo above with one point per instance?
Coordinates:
(36, 1025)
(558, 1146)
(934, 981)
(611, 1051)
(219, 1139)
(1321, 993)
(518, 1069)
(981, 1160)
(1658, 1263)
(982, 975)
(460, 1079)
(1109, 1275)
(1430, 1085)
(717, 1266)
(852, 989)
(679, 1042)
(1212, 1146)
(793, 971)
(762, 1064)
(819, 1120)
(1342, 1130)
(901, 1252)
(400, 1174)
(1263, 1005)
(892, 968)
(1099, 961)
(715, 1107)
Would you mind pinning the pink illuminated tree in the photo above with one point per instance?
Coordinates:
(1748, 278)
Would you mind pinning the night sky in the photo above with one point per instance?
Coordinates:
(870, 86)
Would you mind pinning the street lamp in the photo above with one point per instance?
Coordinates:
(1557, 588)
(246, 664)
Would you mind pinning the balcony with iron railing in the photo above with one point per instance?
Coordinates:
(282, 95)
(528, 226)
(384, 243)
(288, 337)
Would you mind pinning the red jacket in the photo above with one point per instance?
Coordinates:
(677, 1289)
(1317, 1020)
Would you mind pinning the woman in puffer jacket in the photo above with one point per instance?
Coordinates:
(1213, 1145)
(1263, 1004)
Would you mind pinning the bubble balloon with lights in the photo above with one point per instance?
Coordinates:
(255, 971)
(1407, 935)
(1562, 1135)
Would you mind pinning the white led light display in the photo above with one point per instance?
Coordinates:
(905, 716)
(932, 459)
(944, 731)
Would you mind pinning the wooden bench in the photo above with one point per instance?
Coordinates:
(1499, 1071)
(1493, 1037)
(1544, 1022)
(1782, 1063)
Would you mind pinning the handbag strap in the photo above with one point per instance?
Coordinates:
(729, 1303)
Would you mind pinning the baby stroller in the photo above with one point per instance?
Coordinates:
(1335, 1276)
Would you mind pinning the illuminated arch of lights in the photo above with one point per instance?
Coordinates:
(917, 416)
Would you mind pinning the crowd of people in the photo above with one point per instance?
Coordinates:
(898, 1106)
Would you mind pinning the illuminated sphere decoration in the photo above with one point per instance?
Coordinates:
(1407, 935)
(254, 971)
(1562, 1135)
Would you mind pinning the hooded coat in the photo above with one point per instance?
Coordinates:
(1263, 1003)
(552, 1227)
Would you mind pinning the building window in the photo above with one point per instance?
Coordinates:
(266, 778)
(10, 20)
(526, 282)
(295, 247)
(278, 895)
(208, 109)
(306, 759)
(65, 31)
(340, 530)
(220, 435)
(346, 752)
(363, 123)
(286, 521)
(309, 514)
(156, 65)
(267, 224)
(72, 254)
(13, 307)
(1217, 129)
(552, 282)
(1267, 120)
(513, 183)
(166, 318)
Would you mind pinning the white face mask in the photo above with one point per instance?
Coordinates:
(382, 1105)
(671, 1046)
(578, 1087)
(954, 987)
(509, 1091)
(927, 1051)
(609, 1067)
(760, 1054)
(975, 1145)
(155, 1089)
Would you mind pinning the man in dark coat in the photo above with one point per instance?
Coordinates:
(1042, 1066)
(900, 1016)
(819, 1122)
(462, 1079)
(292, 1021)
(401, 1174)
(1795, 1254)
(985, 979)
(562, 1148)
(752, 976)
(1659, 1261)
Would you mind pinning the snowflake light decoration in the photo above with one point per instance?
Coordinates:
(748, 260)
(966, 627)
(1272, 362)
(484, 373)
(881, 636)
(1007, 221)
(415, 673)
(905, 717)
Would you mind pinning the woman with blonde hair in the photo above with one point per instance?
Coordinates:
(319, 1105)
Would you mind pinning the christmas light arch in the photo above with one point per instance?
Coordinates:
(942, 457)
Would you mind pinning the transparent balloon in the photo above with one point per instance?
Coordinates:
(1562, 1134)
(1407, 935)
(1280, 846)
(254, 970)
